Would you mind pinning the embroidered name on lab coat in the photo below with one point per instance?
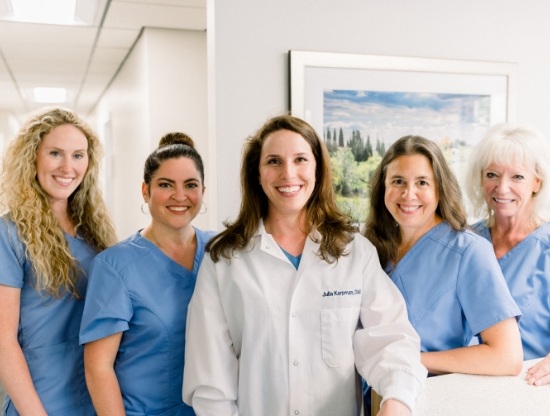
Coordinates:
(342, 292)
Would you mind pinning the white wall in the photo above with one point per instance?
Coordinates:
(163, 84)
(8, 128)
(160, 88)
(251, 39)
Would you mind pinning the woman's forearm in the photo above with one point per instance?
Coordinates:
(475, 359)
(101, 379)
(17, 380)
(105, 391)
(500, 354)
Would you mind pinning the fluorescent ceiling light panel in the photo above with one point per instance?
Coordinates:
(61, 12)
(50, 95)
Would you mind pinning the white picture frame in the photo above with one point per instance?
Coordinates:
(441, 89)
(338, 66)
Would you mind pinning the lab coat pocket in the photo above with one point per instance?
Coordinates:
(337, 329)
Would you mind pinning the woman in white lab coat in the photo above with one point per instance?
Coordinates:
(291, 300)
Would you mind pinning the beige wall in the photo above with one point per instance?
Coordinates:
(220, 86)
(252, 38)
(161, 88)
(8, 128)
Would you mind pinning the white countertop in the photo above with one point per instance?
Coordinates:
(469, 395)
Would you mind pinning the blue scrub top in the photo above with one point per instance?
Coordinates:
(48, 328)
(138, 290)
(453, 287)
(526, 268)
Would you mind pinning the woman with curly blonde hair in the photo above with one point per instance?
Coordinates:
(54, 222)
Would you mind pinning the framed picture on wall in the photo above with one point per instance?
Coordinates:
(361, 104)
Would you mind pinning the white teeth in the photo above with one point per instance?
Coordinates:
(288, 189)
(63, 180)
(179, 209)
(409, 209)
(502, 201)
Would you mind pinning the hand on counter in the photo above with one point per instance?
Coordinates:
(392, 407)
(539, 374)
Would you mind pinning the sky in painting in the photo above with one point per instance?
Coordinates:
(389, 115)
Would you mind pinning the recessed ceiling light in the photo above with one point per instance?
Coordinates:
(39, 11)
(58, 12)
(50, 95)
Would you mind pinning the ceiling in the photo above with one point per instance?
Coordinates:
(83, 59)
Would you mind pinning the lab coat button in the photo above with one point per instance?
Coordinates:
(295, 364)
(296, 412)
(293, 314)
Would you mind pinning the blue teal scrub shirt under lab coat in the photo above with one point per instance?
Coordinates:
(136, 289)
(526, 268)
(48, 328)
(453, 287)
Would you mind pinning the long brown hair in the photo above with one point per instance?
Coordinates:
(322, 213)
(380, 226)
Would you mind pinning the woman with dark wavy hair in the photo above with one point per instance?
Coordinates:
(449, 276)
(54, 223)
(291, 299)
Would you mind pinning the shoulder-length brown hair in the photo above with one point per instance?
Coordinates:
(380, 226)
(29, 207)
(322, 213)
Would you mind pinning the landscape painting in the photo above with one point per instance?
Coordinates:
(358, 127)
(361, 104)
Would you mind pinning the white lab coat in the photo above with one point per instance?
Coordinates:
(266, 339)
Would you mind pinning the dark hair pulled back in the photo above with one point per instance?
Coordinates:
(172, 146)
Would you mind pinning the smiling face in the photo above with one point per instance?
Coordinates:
(175, 194)
(509, 191)
(287, 172)
(411, 194)
(61, 162)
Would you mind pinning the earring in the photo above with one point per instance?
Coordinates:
(205, 209)
(143, 209)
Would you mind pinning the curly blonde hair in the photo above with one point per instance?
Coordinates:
(28, 205)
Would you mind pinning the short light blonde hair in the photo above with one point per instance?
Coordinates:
(506, 145)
